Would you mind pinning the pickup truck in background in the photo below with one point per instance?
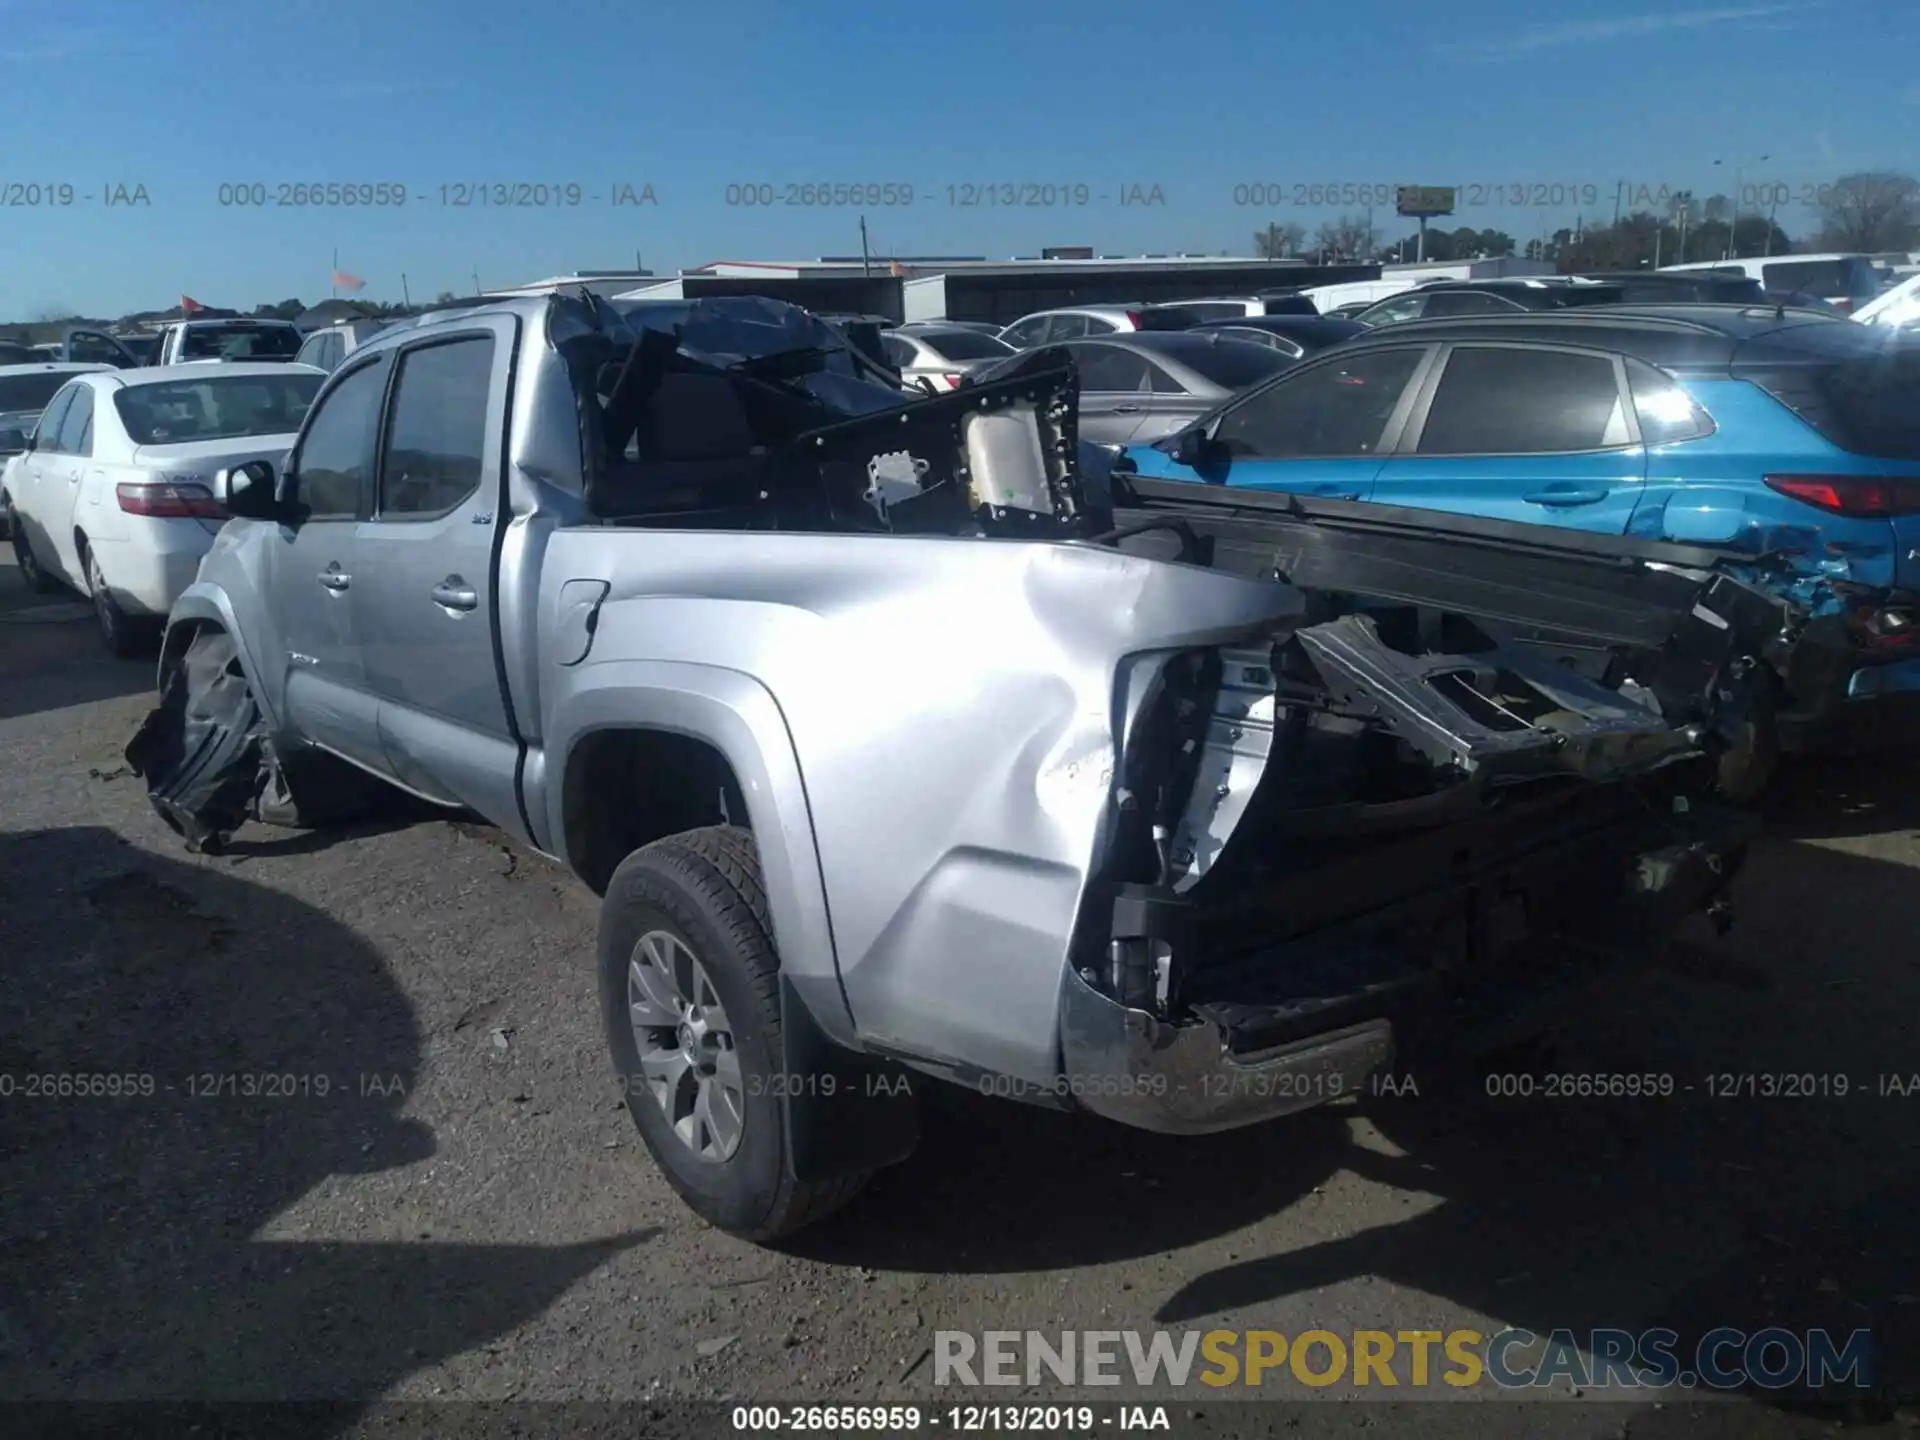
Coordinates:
(235, 339)
(897, 756)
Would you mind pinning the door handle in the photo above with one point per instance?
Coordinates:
(455, 594)
(1126, 409)
(1565, 497)
(335, 579)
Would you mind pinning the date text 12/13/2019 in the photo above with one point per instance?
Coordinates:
(901, 194)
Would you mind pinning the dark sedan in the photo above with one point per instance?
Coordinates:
(1294, 336)
(1138, 387)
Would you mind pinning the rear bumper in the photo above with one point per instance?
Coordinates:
(1313, 1020)
(147, 573)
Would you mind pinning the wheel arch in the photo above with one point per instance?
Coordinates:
(724, 735)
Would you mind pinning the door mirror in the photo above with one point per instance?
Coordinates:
(1191, 447)
(247, 491)
(14, 441)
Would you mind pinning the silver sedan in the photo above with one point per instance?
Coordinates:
(1136, 388)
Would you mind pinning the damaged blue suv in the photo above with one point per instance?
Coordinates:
(1781, 445)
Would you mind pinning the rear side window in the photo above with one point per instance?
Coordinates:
(1523, 402)
(1826, 279)
(1109, 368)
(437, 438)
(76, 426)
(1665, 412)
(1465, 302)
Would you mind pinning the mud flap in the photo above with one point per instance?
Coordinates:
(845, 1113)
(200, 751)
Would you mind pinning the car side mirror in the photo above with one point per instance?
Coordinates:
(247, 491)
(1191, 447)
(12, 441)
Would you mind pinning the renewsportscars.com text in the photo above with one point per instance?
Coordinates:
(1722, 1359)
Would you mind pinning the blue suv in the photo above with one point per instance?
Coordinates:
(1787, 442)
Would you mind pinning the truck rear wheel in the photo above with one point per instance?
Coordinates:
(690, 994)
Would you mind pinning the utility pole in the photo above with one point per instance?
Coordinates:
(333, 281)
(1618, 186)
(406, 296)
(476, 282)
(1273, 240)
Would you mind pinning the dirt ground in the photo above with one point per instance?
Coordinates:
(434, 1194)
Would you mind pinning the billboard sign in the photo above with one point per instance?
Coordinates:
(1423, 200)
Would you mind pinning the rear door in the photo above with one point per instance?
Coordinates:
(423, 587)
(1318, 430)
(1531, 433)
(29, 484)
(1113, 392)
(64, 468)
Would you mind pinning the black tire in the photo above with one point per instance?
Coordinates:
(124, 635)
(703, 887)
(31, 571)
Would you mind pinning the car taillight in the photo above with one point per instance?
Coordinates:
(1135, 319)
(1860, 496)
(953, 381)
(169, 502)
(1880, 628)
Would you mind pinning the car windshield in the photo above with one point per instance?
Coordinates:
(1230, 364)
(240, 342)
(30, 392)
(216, 408)
(964, 344)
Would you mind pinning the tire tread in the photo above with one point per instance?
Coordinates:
(721, 864)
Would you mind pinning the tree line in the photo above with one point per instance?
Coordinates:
(1870, 212)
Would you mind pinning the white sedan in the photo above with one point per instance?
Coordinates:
(114, 496)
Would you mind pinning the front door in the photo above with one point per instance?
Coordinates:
(315, 568)
(1318, 430)
(1524, 433)
(423, 587)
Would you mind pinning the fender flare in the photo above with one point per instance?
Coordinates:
(202, 604)
(868, 1115)
(739, 717)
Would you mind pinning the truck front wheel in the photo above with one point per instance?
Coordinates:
(690, 994)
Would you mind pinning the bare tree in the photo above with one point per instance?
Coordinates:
(1870, 210)
(1277, 241)
(1348, 238)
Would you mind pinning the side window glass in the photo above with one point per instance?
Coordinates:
(899, 353)
(47, 429)
(76, 426)
(1027, 332)
(1403, 307)
(1523, 402)
(1066, 327)
(312, 351)
(1162, 383)
(436, 441)
(331, 463)
(1665, 411)
(1340, 408)
(1108, 368)
(1465, 302)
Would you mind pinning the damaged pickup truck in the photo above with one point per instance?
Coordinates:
(894, 753)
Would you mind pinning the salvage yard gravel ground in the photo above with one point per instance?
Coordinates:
(366, 1143)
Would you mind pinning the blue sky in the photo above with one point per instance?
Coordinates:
(1195, 97)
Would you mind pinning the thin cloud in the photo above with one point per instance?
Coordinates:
(1622, 27)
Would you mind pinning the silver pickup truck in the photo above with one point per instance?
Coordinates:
(899, 746)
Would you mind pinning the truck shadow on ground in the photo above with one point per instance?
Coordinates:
(1735, 1201)
(130, 1263)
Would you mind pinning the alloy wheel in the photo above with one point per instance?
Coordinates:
(686, 1046)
